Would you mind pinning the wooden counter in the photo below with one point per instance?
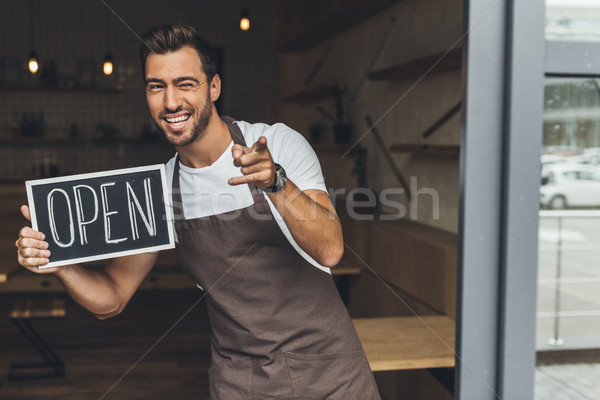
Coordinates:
(403, 343)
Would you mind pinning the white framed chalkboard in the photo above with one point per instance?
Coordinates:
(102, 215)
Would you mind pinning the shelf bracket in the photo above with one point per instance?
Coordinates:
(318, 65)
(442, 120)
(382, 44)
(388, 157)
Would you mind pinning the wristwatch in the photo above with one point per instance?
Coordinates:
(280, 180)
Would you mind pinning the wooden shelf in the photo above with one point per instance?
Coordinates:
(348, 265)
(313, 94)
(415, 69)
(327, 23)
(330, 147)
(81, 141)
(42, 89)
(342, 270)
(428, 149)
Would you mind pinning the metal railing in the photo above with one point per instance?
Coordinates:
(558, 281)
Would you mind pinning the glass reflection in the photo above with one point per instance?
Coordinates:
(571, 153)
(574, 20)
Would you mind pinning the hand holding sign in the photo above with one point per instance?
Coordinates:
(256, 164)
(32, 250)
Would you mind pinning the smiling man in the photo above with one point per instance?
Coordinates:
(183, 116)
(260, 242)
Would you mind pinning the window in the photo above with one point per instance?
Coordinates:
(568, 310)
(573, 20)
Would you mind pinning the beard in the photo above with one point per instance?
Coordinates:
(198, 130)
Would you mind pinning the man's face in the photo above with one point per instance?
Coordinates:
(178, 95)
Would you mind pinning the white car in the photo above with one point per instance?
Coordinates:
(548, 159)
(570, 185)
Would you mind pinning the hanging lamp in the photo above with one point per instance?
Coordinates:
(107, 68)
(245, 20)
(32, 60)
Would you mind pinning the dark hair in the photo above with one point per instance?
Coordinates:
(172, 37)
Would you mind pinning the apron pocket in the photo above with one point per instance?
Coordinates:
(231, 380)
(330, 376)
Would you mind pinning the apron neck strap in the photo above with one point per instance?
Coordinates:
(234, 131)
(177, 203)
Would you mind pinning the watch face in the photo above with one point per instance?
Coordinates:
(281, 177)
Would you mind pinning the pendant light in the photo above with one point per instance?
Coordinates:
(245, 20)
(107, 68)
(32, 63)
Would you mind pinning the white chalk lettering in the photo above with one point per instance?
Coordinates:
(150, 221)
(50, 200)
(106, 214)
(81, 222)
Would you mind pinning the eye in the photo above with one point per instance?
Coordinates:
(153, 87)
(186, 85)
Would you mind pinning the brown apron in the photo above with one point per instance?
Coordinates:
(279, 329)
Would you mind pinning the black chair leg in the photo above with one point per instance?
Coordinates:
(52, 368)
(445, 376)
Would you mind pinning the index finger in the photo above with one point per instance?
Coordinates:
(238, 150)
(260, 144)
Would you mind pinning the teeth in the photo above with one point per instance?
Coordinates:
(178, 119)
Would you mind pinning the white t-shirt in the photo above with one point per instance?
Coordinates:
(205, 191)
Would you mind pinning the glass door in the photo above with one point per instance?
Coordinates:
(568, 303)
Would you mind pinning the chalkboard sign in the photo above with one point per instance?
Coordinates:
(102, 215)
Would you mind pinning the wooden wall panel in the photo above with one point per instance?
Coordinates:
(418, 261)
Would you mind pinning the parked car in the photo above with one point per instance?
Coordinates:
(548, 159)
(570, 185)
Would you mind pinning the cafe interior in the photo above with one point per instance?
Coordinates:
(370, 85)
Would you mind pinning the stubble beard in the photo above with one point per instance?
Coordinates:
(198, 129)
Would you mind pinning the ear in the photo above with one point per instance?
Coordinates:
(215, 88)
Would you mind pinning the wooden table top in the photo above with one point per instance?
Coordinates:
(38, 309)
(347, 266)
(402, 343)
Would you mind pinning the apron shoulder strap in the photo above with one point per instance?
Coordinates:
(176, 201)
(234, 130)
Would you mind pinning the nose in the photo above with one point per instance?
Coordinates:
(172, 100)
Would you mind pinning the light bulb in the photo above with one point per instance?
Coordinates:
(244, 24)
(108, 67)
(33, 65)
